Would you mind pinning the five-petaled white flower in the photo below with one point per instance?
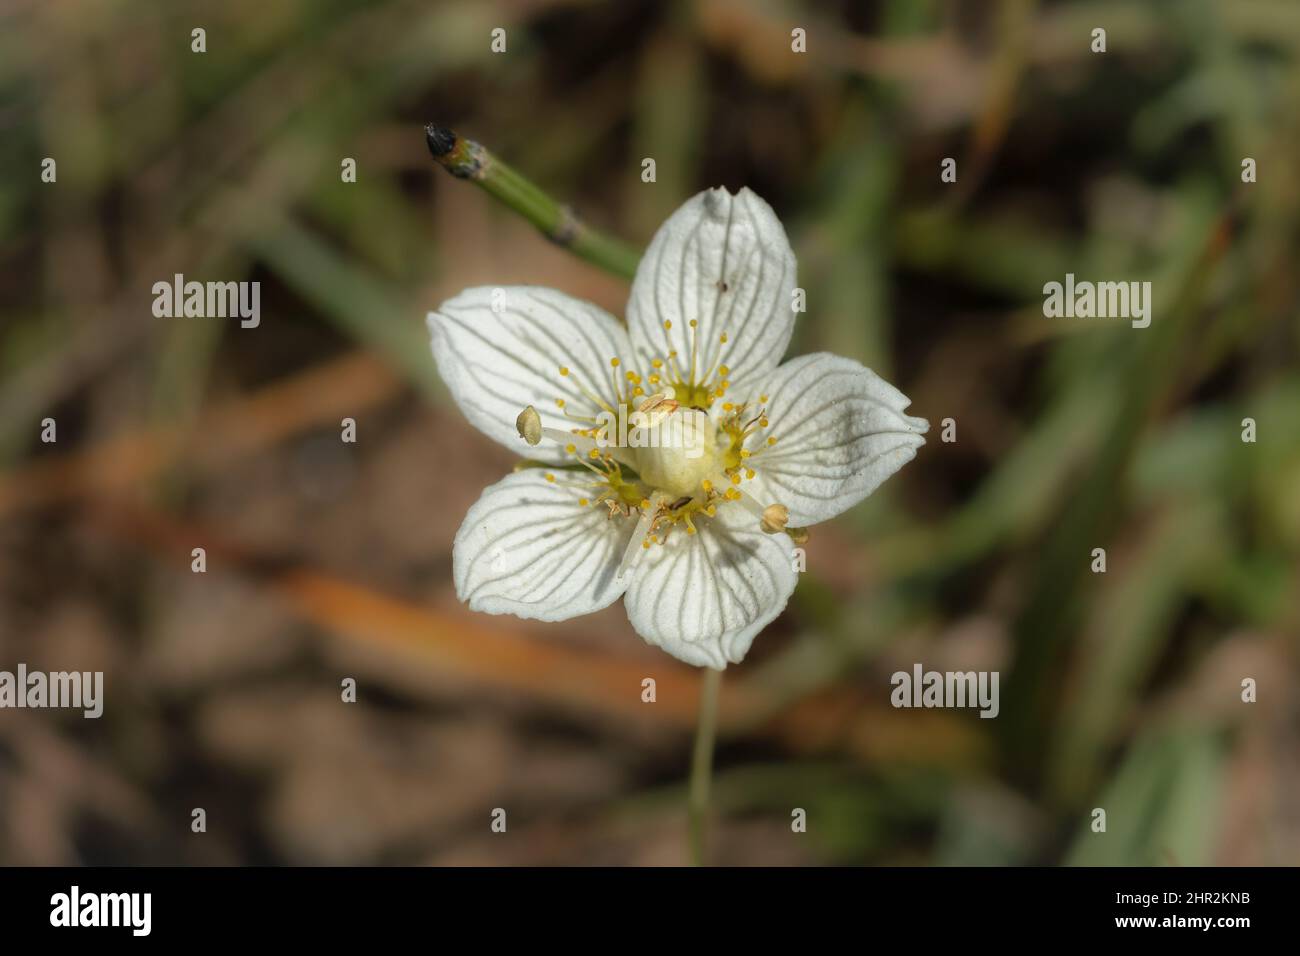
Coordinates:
(698, 537)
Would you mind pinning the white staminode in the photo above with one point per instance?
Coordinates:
(691, 511)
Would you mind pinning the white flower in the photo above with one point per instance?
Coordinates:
(699, 539)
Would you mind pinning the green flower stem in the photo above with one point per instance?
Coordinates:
(466, 159)
(702, 765)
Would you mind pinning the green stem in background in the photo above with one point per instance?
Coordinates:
(702, 764)
(466, 159)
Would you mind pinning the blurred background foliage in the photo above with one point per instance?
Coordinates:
(1120, 690)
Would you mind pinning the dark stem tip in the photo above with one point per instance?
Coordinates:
(440, 139)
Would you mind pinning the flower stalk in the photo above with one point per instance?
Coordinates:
(466, 159)
(706, 729)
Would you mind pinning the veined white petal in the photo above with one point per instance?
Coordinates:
(725, 262)
(703, 597)
(528, 548)
(840, 431)
(498, 361)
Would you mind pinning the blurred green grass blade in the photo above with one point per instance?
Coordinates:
(843, 246)
(357, 303)
(1007, 255)
(1047, 623)
(668, 116)
(1131, 624)
(1162, 804)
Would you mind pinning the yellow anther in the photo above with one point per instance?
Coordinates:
(706, 485)
(550, 477)
(659, 404)
(771, 440)
(584, 502)
(775, 518)
(571, 448)
(529, 425)
(614, 362)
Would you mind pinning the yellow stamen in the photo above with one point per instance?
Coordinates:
(529, 425)
(775, 518)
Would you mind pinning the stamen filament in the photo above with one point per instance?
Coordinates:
(634, 544)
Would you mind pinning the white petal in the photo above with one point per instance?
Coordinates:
(704, 597)
(725, 261)
(528, 548)
(498, 362)
(840, 431)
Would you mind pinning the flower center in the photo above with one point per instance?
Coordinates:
(683, 452)
(657, 455)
